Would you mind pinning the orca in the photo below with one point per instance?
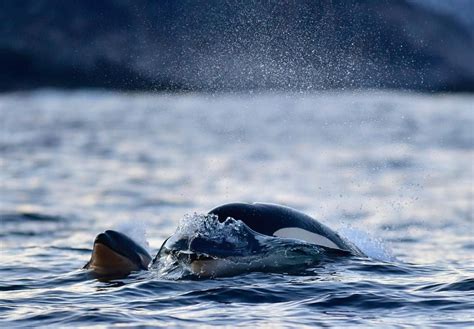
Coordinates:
(115, 254)
(284, 222)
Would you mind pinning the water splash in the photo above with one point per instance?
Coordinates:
(371, 246)
(204, 247)
(208, 226)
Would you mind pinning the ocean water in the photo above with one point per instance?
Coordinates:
(392, 172)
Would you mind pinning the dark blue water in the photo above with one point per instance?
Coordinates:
(391, 172)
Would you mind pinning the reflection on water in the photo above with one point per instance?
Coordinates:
(388, 170)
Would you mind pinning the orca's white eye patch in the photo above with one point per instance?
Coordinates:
(307, 236)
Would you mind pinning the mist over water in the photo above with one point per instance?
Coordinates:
(390, 171)
(303, 45)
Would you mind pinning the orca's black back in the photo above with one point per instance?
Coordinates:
(267, 218)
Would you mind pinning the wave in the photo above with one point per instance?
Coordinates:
(29, 216)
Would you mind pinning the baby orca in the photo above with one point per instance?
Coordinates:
(116, 255)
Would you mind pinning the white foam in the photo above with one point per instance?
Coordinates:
(371, 246)
(208, 226)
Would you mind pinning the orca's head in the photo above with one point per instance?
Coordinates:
(209, 255)
(116, 255)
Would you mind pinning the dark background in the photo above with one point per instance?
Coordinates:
(237, 45)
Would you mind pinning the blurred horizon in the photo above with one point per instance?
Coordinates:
(226, 46)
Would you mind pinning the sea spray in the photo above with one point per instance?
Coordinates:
(371, 246)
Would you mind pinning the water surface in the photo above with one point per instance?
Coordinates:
(390, 171)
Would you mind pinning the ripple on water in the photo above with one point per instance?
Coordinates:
(380, 166)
